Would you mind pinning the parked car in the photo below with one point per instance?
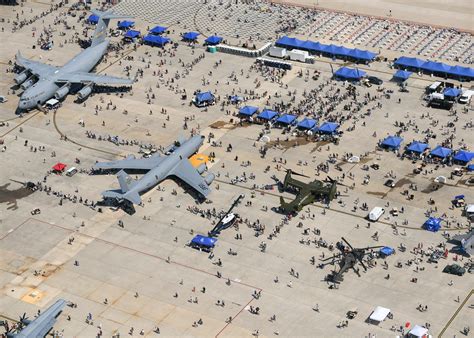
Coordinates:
(390, 183)
(454, 269)
(375, 80)
(3, 99)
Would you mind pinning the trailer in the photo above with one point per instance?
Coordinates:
(277, 52)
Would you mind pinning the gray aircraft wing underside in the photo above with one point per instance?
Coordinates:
(132, 163)
(35, 67)
(86, 78)
(188, 174)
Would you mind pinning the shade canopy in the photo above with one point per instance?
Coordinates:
(213, 40)
(158, 30)
(379, 314)
(267, 114)
(248, 110)
(402, 74)
(204, 241)
(387, 251)
(418, 331)
(392, 142)
(463, 156)
(452, 92)
(417, 147)
(125, 24)
(156, 40)
(191, 35)
(435, 67)
(93, 19)
(328, 127)
(307, 124)
(59, 166)
(409, 62)
(350, 73)
(440, 151)
(204, 97)
(286, 119)
(132, 34)
(432, 224)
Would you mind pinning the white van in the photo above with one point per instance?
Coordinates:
(71, 171)
(466, 96)
(376, 213)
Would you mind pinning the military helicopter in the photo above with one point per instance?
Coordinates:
(347, 259)
(306, 193)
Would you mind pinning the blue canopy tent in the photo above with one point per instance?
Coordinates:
(452, 92)
(93, 19)
(349, 73)
(436, 67)
(125, 24)
(307, 124)
(286, 119)
(156, 40)
(190, 36)
(440, 151)
(328, 128)
(463, 156)
(462, 71)
(470, 167)
(213, 40)
(204, 97)
(405, 61)
(402, 74)
(386, 251)
(417, 147)
(157, 30)
(132, 34)
(267, 115)
(432, 224)
(203, 242)
(360, 54)
(392, 142)
(248, 110)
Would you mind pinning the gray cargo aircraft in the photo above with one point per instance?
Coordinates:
(57, 81)
(174, 163)
(40, 326)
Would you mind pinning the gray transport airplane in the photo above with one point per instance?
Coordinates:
(174, 163)
(56, 82)
(41, 325)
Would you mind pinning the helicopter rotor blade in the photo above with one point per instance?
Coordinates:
(350, 246)
(296, 173)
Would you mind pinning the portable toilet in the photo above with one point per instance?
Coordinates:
(212, 49)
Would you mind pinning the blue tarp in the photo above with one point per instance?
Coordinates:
(316, 47)
(440, 151)
(350, 73)
(417, 147)
(156, 40)
(409, 62)
(392, 142)
(462, 71)
(286, 119)
(248, 110)
(463, 156)
(437, 67)
(204, 97)
(200, 240)
(158, 30)
(213, 40)
(94, 19)
(402, 74)
(132, 34)
(432, 224)
(328, 127)
(267, 114)
(190, 35)
(470, 167)
(387, 251)
(125, 24)
(307, 124)
(452, 92)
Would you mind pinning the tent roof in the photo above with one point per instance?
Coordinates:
(435, 66)
(214, 40)
(158, 30)
(59, 166)
(191, 35)
(204, 96)
(409, 62)
(286, 119)
(463, 156)
(307, 124)
(125, 24)
(350, 73)
(387, 251)
(462, 71)
(132, 34)
(267, 114)
(156, 40)
(417, 147)
(204, 241)
(379, 314)
(402, 74)
(440, 151)
(248, 110)
(328, 127)
(452, 92)
(93, 18)
(392, 142)
(418, 331)
(432, 224)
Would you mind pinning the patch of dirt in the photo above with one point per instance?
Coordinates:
(223, 125)
(298, 141)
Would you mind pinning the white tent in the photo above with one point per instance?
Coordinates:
(418, 331)
(379, 314)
